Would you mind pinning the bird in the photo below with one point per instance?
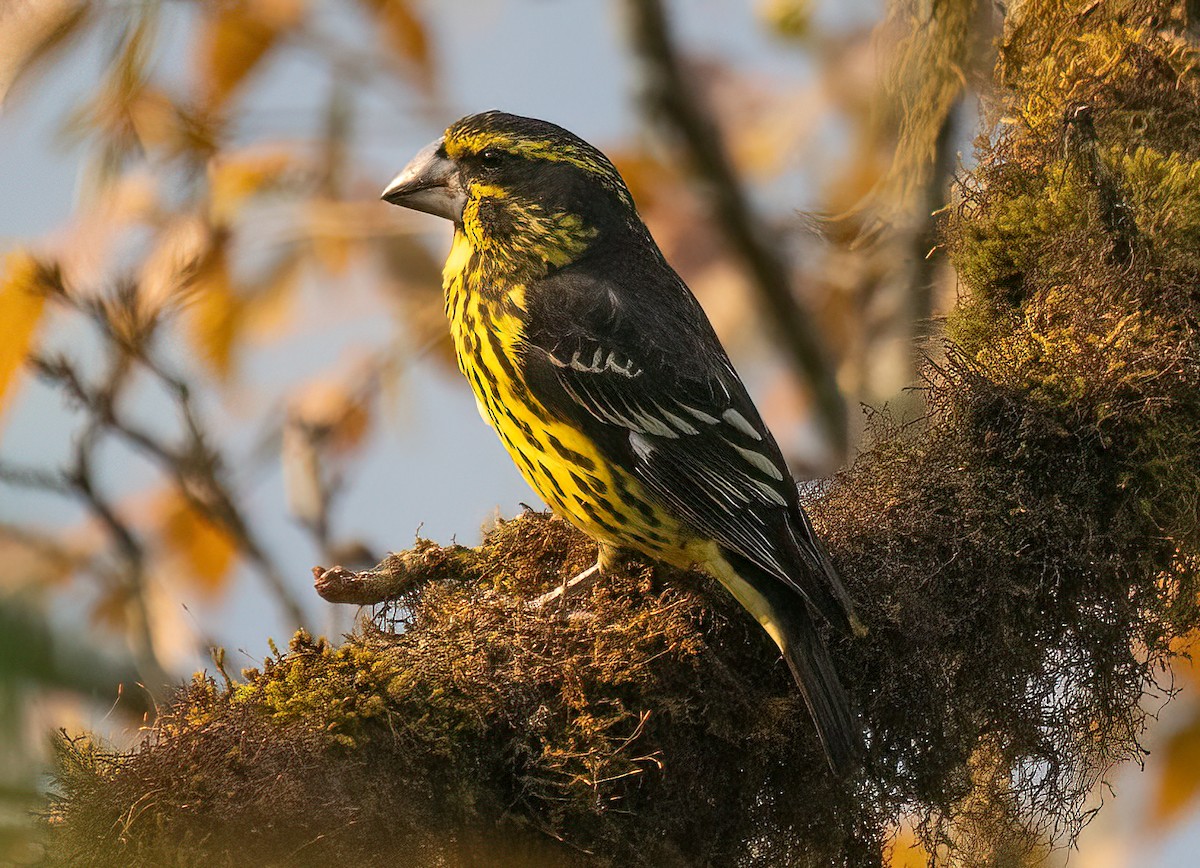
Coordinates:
(609, 388)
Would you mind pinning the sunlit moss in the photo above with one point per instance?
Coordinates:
(1164, 194)
(651, 726)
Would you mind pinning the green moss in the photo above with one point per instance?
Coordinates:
(1164, 195)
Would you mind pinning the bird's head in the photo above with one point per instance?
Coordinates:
(519, 188)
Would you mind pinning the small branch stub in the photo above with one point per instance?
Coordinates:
(398, 574)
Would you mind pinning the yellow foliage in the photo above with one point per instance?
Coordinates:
(30, 32)
(907, 852)
(330, 245)
(215, 315)
(234, 179)
(156, 121)
(205, 549)
(180, 254)
(34, 563)
(1180, 781)
(111, 607)
(339, 417)
(268, 312)
(234, 36)
(21, 305)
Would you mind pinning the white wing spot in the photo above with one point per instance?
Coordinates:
(762, 462)
(653, 426)
(738, 421)
(642, 447)
(685, 427)
(612, 364)
(599, 363)
(770, 493)
(701, 415)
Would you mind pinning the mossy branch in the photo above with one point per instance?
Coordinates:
(397, 576)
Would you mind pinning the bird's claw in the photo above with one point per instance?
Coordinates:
(569, 588)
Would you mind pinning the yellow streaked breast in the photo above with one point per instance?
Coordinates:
(557, 460)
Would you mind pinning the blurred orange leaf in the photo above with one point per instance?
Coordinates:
(907, 852)
(651, 181)
(412, 277)
(405, 34)
(215, 314)
(338, 418)
(111, 608)
(1186, 661)
(221, 314)
(267, 312)
(332, 245)
(1180, 781)
(21, 305)
(183, 247)
(233, 179)
(31, 32)
(207, 550)
(233, 38)
(113, 107)
(35, 562)
(157, 122)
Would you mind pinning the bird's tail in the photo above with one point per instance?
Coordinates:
(785, 617)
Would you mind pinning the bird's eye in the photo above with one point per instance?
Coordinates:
(491, 158)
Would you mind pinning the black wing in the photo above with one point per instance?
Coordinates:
(642, 372)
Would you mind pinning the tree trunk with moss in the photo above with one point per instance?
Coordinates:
(1023, 556)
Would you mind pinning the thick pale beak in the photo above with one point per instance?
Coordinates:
(429, 183)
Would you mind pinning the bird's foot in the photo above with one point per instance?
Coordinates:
(609, 559)
(570, 588)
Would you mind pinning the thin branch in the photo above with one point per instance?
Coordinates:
(925, 234)
(399, 574)
(33, 479)
(132, 553)
(220, 503)
(78, 482)
(196, 469)
(669, 103)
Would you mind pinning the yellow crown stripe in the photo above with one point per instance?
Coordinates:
(462, 144)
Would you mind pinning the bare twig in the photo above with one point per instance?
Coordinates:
(132, 554)
(925, 234)
(214, 497)
(33, 479)
(669, 103)
(196, 469)
(78, 480)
